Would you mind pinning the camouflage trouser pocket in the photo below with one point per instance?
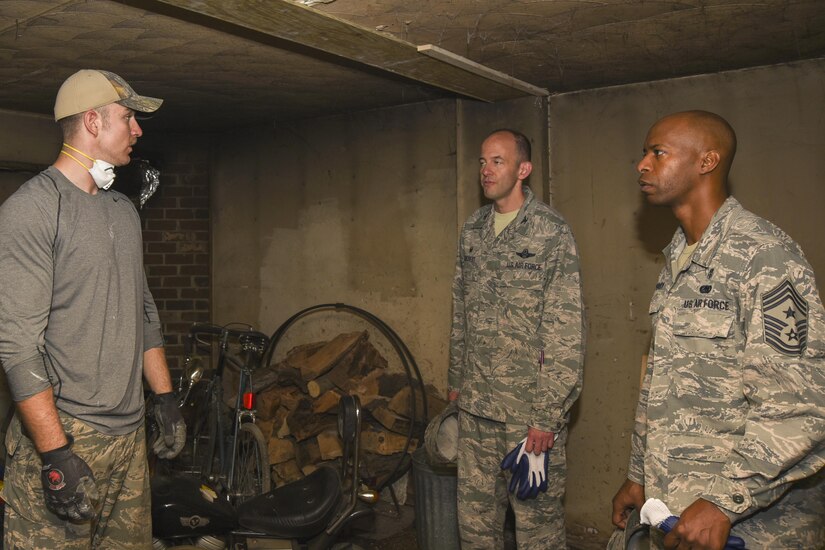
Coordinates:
(121, 477)
(22, 489)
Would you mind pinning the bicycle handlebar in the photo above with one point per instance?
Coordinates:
(244, 336)
(218, 330)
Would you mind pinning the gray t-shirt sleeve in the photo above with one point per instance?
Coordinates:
(152, 332)
(27, 232)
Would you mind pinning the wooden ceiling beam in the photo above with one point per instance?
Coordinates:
(314, 29)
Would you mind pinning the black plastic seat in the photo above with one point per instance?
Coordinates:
(300, 509)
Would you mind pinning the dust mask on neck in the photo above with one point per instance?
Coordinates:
(101, 171)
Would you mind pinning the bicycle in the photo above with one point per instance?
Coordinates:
(225, 446)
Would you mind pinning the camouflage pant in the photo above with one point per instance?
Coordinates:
(794, 522)
(122, 477)
(483, 494)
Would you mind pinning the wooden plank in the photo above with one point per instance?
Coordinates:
(477, 68)
(299, 25)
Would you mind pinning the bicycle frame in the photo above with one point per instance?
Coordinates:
(251, 346)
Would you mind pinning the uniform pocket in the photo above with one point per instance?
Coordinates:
(705, 332)
(522, 295)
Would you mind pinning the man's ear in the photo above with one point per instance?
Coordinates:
(525, 168)
(91, 121)
(710, 160)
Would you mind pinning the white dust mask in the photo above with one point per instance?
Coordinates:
(101, 171)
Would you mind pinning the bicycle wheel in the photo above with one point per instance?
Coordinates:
(251, 471)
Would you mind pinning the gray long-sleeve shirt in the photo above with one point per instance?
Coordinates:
(75, 310)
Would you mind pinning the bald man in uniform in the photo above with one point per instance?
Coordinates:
(730, 424)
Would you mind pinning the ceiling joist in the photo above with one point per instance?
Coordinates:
(314, 29)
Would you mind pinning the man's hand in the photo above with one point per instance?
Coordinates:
(538, 441)
(68, 484)
(453, 395)
(629, 496)
(172, 427)
(701, 526)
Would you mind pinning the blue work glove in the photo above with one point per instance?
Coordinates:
(171, 426)
(529, 471)
(68, 484)
(655, 513)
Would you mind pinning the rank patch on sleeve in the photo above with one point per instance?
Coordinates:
(785, 319)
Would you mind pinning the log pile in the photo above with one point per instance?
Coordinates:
(297, 406)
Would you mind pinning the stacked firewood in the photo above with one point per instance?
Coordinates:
(297, 407)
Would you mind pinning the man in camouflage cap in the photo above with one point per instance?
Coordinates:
(516, 349)
(730, 425)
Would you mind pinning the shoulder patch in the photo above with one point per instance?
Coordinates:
(785, 319)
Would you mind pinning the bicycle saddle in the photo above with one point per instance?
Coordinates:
(300, 509)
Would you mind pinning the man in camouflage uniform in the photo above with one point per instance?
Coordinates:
(515, 351)
(79, 332)
(730, 425)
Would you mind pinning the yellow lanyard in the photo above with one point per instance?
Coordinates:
(74, 158)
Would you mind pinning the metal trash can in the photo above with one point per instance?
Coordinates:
(436, 516)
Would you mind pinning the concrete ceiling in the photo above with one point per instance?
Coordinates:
(230, 63)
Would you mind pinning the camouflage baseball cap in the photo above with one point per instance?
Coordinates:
(90, 89)
(441, 437)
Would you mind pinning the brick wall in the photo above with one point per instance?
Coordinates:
(176, 247)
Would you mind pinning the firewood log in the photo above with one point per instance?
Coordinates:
(281, 450)
(381, 442)
(307, 452)
(320, 385)
(327, 402)
(279, 374)
(400, 402)
(303, 423)
(267, 405)
(286, 472)
(390, 420)
(379, 383)
(327, 357)
(330, 445)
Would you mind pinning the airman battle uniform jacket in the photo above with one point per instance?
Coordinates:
(732, 407)
(516, 348)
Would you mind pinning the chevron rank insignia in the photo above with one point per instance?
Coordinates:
(785, 319)
(525, 254)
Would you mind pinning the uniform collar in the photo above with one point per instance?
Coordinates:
(711, 237)
(517, 224)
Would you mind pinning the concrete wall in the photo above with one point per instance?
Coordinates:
(358, 209)
(596, 140)
(361, 209)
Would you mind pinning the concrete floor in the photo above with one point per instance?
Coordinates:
(398, 532)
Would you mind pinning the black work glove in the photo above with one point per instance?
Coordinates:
(68, 484)
(172, 434)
